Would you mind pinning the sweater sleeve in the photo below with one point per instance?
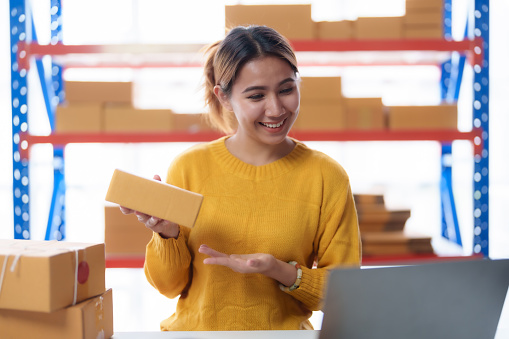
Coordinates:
(167, 263)
(337, 244)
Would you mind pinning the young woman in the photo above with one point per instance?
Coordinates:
(272, 209)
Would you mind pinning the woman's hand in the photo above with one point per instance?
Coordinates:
(252, 263)
(165, 228)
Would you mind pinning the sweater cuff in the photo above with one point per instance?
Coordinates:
(173, 251)
(311, 289)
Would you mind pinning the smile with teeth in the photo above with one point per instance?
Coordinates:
(279, 124)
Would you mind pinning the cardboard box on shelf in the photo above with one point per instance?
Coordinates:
(98, 91)
(154, 198)
(79, 118)
(423, 32)
(372, 28)
(423, 5)
(125, 118)
(45, 276)
(190, 122)
(321, 115)
(369, 199)
(321, 88)
(89, 319)
(430, 18)
(423, 117)
(365, 114)
(394, 243)
(334, 30)
(292, 21)
(382, 220)
(124, 235)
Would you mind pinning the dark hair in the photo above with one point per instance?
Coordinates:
(225, 58)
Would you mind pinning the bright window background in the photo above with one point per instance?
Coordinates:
(407, 173)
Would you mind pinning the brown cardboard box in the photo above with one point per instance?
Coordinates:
(98, 91)
(321, 115)
(365, 114)
(373, 28)
(124, 235)
(189, 122)
(426, 18)
(292, 21)
(369, 199)
(89, 319)
(423, 32)
(125, 118)
(394, 243)
(332, 30)
(154, 198)
(423, 117)
(420, 5)
(381, 219)
(320, 88)
(42, 275)
(79, 117)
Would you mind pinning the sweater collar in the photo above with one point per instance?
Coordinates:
(233, 165)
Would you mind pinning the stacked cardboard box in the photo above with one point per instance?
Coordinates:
(423, 19)
(374, 28)
(365, 114)
(53, 289)
(334, 30)
(382, 230)
(423, 117)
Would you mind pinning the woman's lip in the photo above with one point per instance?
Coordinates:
(274, 123)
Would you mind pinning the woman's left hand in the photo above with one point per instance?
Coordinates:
(242, 263)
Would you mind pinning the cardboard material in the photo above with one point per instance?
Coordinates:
(423, 117)
(431, 18)
(125, 118)
(98, 91)
(42, 276)
(372, 28)
(369, 199)
(124, 235)
(423, 5)
(90, 319)
(321, 116)
(292, 21)
(79, 117)
(189, 123)
(154, 198)
(423, 32)
(381, 219)
(365, 114)
(334, 30)
(320, 88)
(394, 243)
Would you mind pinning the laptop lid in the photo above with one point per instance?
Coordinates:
(461, 299)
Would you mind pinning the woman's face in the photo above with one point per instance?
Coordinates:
(265, 99)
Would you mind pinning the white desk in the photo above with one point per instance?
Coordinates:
(219, 335)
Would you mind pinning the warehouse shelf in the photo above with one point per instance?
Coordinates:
(310, 53)
(62, 139)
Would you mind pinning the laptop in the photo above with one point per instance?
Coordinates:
(459, 299)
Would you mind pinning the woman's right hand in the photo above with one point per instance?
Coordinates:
(165, 228)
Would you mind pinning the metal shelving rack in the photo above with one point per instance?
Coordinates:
(24, 47)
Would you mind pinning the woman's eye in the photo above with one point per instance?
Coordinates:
(255, 96)
(287, 90)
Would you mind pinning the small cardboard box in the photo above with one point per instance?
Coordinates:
(125, 118)
(423, 32)
(292, 21)
(321, 116)
(423, 117)
(79, 117)
(90, 319)
(334, 30)
(420, 5)
(154, 198)
(365, 114)
(395, 243)
(192, 123)
(427, 18)
(45, 276)
(372, 28)
(320, 88)
(98, 91)
(124, 235)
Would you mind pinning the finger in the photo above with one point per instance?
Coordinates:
(157, 177)
(126, 210)
(210, 252)
(152, 221)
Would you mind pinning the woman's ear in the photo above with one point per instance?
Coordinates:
(223, 98)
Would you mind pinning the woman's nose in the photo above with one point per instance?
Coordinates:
(274, 107)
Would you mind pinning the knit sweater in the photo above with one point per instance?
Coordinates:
(299, 207)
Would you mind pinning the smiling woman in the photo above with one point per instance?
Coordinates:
(276, 215)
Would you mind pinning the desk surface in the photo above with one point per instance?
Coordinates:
(220, 335)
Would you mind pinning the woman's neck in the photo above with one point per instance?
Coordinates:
(257, 154)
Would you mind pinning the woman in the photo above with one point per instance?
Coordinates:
(272, 207)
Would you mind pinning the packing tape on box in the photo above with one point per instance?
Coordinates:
(17, 256)
(99, 318)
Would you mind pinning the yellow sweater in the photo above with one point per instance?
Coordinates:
(297, 208)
